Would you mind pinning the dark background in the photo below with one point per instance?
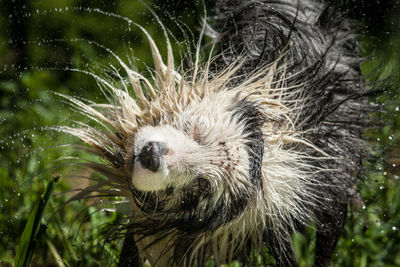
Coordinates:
(41, 40)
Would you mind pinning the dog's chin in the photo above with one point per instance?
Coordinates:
(149, 181)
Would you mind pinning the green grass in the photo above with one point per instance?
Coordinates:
(71, 234)
(34, 229)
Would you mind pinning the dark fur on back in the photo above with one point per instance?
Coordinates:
(320, 47)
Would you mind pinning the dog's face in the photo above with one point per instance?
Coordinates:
(202, 157)
(206, 140)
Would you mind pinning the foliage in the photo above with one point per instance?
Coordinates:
(42, 57)
(34, 229)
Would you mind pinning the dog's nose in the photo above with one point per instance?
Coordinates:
(151, 154)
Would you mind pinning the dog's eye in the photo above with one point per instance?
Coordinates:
(193, 130)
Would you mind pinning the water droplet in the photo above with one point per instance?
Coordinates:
(394, 228)
(381, 187)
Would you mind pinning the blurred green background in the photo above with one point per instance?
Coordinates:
(41, 40)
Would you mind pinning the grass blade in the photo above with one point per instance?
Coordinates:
(33, 228)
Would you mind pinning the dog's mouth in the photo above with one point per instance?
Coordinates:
(150, 171)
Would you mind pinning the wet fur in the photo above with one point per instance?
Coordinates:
(273, 128)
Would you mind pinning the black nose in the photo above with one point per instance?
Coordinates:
(150, 156)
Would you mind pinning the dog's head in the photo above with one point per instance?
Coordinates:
(198, 151)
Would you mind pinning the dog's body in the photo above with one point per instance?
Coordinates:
(242, 152)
